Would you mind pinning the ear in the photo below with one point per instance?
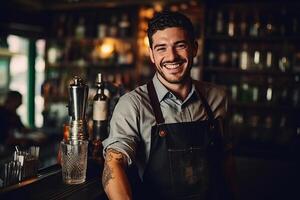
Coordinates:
(195, 48)
(151, 54)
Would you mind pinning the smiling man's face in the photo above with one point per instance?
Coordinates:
(172, 53)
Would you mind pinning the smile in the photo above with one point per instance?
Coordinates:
(172, 65)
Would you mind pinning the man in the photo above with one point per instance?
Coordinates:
(10, 120)
(171, 128)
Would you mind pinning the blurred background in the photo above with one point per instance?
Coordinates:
(251, 47)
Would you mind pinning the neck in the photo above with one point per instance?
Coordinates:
(181, 90)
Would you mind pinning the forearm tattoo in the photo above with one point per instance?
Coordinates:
(108, 171)
(107, 175)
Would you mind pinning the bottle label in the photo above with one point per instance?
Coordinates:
(100, 110)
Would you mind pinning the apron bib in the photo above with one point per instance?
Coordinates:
(185, 159)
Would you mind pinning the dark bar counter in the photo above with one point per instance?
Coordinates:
(258, 178)
(49, 185)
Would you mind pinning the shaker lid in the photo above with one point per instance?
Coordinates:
(77, 81)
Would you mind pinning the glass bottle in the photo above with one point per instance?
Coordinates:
(234, 58)
(80, 29)
(255, 26)
(231, 25)
(269, 92)
(223, 57)
(243, 25)
(220, 23)
(113, 28)
(269, 59)
(211, 58)
(100, 118)
(244, 56)
(124, 26)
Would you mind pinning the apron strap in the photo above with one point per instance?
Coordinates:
(156, 106)
(155, 103)
(205, 103)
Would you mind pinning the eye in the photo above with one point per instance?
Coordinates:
(181, 46)
(161, 49)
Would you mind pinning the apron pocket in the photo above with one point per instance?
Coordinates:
(189, 173)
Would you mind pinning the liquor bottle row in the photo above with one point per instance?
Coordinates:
(256, 23)
(256, 127)
(266, 95)
(92, 25)
(246, 58)
(108, 51)
(54, 88)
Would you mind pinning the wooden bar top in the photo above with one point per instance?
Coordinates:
(49, 185)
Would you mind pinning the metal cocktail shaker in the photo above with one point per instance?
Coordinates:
(78, 95)
(74, 149)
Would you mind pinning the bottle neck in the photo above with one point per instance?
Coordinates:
(100, 88)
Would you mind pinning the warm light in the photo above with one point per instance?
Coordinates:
(106, 49)
(158, 7)
(174, 8)
(146, 41)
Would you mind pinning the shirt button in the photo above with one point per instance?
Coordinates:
(162, 133)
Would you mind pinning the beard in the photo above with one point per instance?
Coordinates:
(175, 79)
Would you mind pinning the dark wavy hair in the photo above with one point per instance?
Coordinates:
(168, 19)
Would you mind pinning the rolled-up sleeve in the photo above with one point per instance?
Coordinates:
(124, 125)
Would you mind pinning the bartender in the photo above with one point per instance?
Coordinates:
(172, 128)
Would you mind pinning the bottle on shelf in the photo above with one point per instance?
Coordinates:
(211, 58)
(223, 56)
(219, 23)
(256, 62)
(100, 119)
(284, 62)
(61, 26)
(254, 126)
(245, 93)
(269, 95)
(270, 28)
(124, 26)
(126, 56)
(255, 26)
(80, 28)
(244, 57)
(101, 30)
(269, 59)
(267, 135)
(243, 25)
(234, 92)
(231, 25)
(234, 58)
(113, 27)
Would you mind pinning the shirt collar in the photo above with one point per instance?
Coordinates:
(162, 91)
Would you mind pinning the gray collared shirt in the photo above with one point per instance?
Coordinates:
(133, 118)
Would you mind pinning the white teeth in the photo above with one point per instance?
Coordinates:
(171, 66)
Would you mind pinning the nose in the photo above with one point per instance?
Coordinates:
(172, 54)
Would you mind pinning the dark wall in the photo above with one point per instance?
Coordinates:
(22, 19)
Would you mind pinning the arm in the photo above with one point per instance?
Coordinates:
(114, 178)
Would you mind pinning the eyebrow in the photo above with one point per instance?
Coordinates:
(163, 45)
(159, 45)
